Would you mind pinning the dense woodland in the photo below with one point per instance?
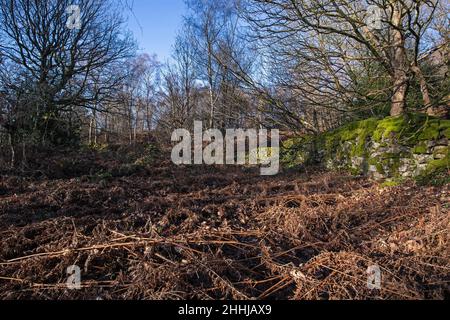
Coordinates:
(85, 177)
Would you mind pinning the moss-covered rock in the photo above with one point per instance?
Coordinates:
(440, 152)
(388, 127)
(296, 151)
(410, 129)
(393, 147)
(421, 148)
(446, 133)
(430, 131)
(436, 172)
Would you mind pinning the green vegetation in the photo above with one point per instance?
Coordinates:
(295, 151)
(347, 147)
(421, 148)
(262, 155)
(390, 183)
(388, 127)
(359, 131)
(437, 173)
(151, 152)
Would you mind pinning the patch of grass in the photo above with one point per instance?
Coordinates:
(438, 178)
(102, 177)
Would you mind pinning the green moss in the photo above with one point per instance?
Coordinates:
(294, 152)
(378, 165)
(387, 127)
(291, 143)
(348, 132)
(446, 133)
(410, 128)
(436, 173)
(390, 155)
(355, 171)
(444, 124)
(441, 151)
(101, 176)
(366, 129)
(330, 142)
(390, 184)
(387, 164)
(98, 147)
(340, 146)
(421, 148)
(439, 164)
(357, 133)
(430, 131)
(392, 164)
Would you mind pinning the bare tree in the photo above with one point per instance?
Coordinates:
(63, 67)
(339, 34)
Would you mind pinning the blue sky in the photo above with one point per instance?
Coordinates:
(155, 24)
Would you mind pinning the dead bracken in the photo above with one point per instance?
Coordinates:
(192, 232)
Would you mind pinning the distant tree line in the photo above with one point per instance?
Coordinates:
(298, 65)
(307, 65)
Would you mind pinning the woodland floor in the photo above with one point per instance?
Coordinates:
(167, 232)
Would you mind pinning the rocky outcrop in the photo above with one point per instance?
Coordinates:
(395, 147)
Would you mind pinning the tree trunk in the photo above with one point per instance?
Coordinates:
(93, 129)
(211, 84)
(13, 152)
(91, 125)
(211, 111)
(24, 153)
(106, 129)
(148, 118)
(399, 64)
(401, 85)
(424, 90)
(95, 125)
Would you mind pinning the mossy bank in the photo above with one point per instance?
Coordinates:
(412, 145)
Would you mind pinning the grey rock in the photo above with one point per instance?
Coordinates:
(406, 167)
(407, 174)
(376, 145)
(423, 158)
(357, 161)
(439, 156)
(442, 142)
(420, 169)
(373, 172)
(329, 164)
(440, 149)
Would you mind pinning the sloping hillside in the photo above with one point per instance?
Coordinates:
(157, 231)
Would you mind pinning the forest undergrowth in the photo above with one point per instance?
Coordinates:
(147, 229)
